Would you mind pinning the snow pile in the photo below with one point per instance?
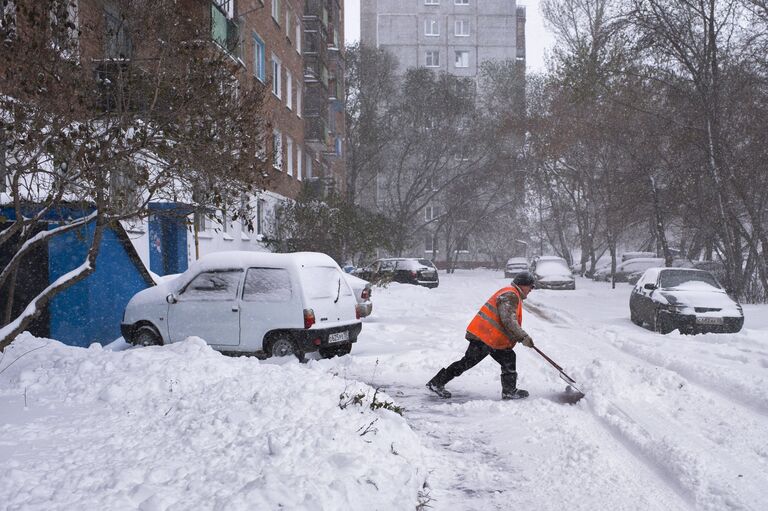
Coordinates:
(183, 427)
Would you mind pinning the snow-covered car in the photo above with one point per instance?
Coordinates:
(406, 270)
(552, 272)
(251, 302)
(623, 270)
(363, 291)
(678, 262)
(685, 299)
(514, 266)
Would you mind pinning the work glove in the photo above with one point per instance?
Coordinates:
(527, 341)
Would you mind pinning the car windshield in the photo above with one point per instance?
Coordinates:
(639, 265)
(517, 265)
(687, 280)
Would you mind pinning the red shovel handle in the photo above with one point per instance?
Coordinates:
(554, 364)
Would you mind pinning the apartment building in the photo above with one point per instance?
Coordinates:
(294, 47)
(454, 36)
(324, 90)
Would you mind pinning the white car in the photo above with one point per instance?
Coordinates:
(362, 289)
(251, 302)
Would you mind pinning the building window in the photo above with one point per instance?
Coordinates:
(277, 150)
(461, 2)
(276, 11)
(308, 166)
(289, 153)
(429, 243)
(260, 206)
(432, 58)
(339, 147)
(298, 35)
(259, 58)
(431, 2)
(299, 160)
(462, 58)
(298, 98)
(289, 89)
(226, 6)
(461, 28)
(462, 245)
(431, 212)
(277, 85)
(431, 27)
(288, 17)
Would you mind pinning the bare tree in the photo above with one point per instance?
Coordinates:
(103, 114)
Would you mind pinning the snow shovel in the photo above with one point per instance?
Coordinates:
(572, 390)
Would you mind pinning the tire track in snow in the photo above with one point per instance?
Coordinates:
(434, 417)
(660, 442)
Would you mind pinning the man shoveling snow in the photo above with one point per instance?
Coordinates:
(494, 331)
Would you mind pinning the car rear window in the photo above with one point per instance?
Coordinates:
(324, 282)
(677, 278)
(413, 264)
(267, 285)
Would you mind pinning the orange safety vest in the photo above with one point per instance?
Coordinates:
(487, 326)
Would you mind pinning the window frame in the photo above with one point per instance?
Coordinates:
(456, 59)
(463, 23)
(288, 89)
(259, 57)
(277, 76)
(431, 27)
(434, 56)
(289, 155)
(277, 150)
(276, 11)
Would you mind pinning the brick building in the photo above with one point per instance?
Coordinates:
(294, 48)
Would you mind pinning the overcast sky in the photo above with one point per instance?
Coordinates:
(538, 39)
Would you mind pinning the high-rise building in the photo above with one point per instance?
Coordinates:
(455, 36)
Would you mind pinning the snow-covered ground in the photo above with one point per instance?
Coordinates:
(669, 422)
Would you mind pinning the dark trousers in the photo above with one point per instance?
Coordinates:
(476, 352)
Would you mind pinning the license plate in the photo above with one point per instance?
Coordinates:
(709, 321)
(338, 337)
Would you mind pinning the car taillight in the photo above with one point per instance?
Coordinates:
(365, 294)
(414, 274)
(358, 311)
(309, 318)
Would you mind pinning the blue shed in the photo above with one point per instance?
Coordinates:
(91, 310)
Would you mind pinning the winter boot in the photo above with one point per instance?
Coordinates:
(509, 388)
(437, 384)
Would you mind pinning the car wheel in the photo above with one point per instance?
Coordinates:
(634, 319)
(337, 351)
(282, 347)
(660, 324)
(146, 335)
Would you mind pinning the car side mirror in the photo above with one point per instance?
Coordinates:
(171, 298)
(649, 286)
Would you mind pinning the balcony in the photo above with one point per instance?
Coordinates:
(225, 32)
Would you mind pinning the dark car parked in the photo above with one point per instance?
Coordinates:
(404, 270)
(685, 299)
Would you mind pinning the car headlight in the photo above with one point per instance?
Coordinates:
(677, 309)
